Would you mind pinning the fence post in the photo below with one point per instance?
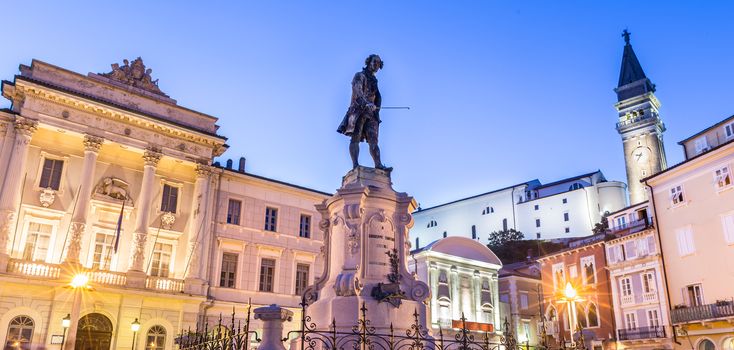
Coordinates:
(273, 317)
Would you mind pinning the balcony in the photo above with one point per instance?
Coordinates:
(641, 333)
(650, 297)
(33, 269)
(628, 299)
(164, 284)
(632, 227)
(721, 309)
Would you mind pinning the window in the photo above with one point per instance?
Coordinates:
(304, 229)
(653, 319)
(648, 282)
(20, 332)
(537, 207)
(567, 229)
(271, 219)
(626, 286)
(630, 320)
(565, 216)
(486, 293)
(631, 249)
(37, 241)
(593, 316)
(572, 272)
(676, 195)
(559, 278)
(161, 263)
(229, 270)
(487, 210)
(234, 208)
(169, 200)
(51, 174)
(537, 222)
(580, 316)
(722, 177)
(523, 300)
(685, 241)
(728, 222)
(267, 275)
(621, 221)
(444, 234)
(156, 338)
(301, 278)
(694, 295)
(706, 345)
(473, 231)
(565, 201)
(576, 186)
(701, 145)
(432, 223)
(729, 128)
(103, 247)
(588, 272)
(504, 224)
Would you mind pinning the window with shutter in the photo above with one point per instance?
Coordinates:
(611, 255)
(631, 250)
(722, 178)
(728, 222)
(685, 241)
(51, 174)
(651, 245)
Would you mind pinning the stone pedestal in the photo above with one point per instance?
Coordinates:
(273, 317)
(366, 247)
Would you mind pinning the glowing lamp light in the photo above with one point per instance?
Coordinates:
(569, 292)
(135, 326)
(79, 280)
(66, 321)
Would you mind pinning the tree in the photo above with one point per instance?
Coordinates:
(601, 227)
(502, 237)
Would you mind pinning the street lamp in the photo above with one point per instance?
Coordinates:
(570, 295)
(65, 323)
(79, 282)
(135, 327)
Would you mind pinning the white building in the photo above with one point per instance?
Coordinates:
(566, 208)
(463, 277)
(82, 154)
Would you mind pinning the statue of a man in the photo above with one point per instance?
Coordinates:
(362, 121)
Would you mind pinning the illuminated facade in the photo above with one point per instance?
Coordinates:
(520, 287)
(693, 204)
(561, 209)
(80, 156)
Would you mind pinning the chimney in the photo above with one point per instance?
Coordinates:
(241, 166)
(229, 164)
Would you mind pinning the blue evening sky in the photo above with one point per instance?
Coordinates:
(500, 92)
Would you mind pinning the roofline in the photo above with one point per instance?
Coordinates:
(569, 179)
(474, 196)
(233, 171)
(113, 105)
(548, 256)
(687, 161)
(704, 130)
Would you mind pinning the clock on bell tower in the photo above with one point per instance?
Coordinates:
(639, 124)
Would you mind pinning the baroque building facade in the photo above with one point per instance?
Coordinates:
(104, 176)
(521, 289)
(560, 209)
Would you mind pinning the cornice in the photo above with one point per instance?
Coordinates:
(30, 89)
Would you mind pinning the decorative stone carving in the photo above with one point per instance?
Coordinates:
(75, 241)
(347, 284)
(203, 170)
(7, 220)
(113, 187)
(137, 258)
(92, 143)
(134, 74)
(47, 197)
(353, 240)
(167, 220)
(152, 157)
(25, 126)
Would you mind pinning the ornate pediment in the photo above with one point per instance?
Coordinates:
(134, 74)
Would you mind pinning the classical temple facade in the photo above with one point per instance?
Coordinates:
(111, 213)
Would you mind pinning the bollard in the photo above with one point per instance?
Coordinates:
(273, 317)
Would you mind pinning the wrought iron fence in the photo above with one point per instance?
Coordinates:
(237, 335)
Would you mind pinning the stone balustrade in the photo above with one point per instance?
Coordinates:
(33, 269)
(164, 284)
(109, 278)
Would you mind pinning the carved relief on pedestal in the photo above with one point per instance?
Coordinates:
(75, 241)
(137, 256)
(47, 197)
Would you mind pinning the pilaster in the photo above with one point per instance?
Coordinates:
(198, 229)
(151, 157)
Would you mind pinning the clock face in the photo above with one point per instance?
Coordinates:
(641, 154)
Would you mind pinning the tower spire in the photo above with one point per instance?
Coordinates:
(631, 72)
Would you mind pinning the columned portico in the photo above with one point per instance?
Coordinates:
(92, 145)
(13, 183)
(140, 235)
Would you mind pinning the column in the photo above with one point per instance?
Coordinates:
(433, 282)
(455, 296)
(143, 203)
(272, 318)
(477, 297)
(79, 220)
(11, 187)
(197, 228)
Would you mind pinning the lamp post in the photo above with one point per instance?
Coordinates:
(65, 323)
(78, 283)
(135, 327)
(570, 296)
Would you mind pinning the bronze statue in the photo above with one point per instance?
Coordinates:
(362, 121)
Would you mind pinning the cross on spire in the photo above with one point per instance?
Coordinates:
(626, 35)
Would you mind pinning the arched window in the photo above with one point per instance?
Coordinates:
(20, 331)
(550, 314)
(594, 316)
(581, 317)
(706, 345)
(728, 343)
(156, 338)
(576, 186)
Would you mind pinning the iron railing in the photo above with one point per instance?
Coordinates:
(641, 333)
(720, 309)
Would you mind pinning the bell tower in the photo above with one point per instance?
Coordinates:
(639, 123)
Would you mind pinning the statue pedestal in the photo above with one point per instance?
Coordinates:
(366, 248)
